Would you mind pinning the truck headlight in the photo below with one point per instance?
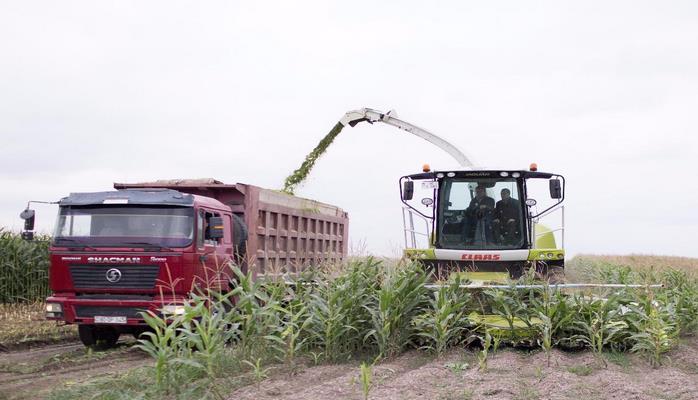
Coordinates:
(54, 310)
(173, 310)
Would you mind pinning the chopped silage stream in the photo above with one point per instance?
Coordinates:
(299, 175)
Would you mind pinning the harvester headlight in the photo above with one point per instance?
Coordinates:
(504, 174)
(54, 308)
(173, 310)
(439, 175)
(560, 255)
(451, 174)
(515, 175)
(550, 255)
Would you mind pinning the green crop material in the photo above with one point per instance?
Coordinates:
(299, 175)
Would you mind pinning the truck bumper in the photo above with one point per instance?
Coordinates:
(77, 310)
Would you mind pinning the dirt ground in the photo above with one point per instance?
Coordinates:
(511, 374)
(33, 373)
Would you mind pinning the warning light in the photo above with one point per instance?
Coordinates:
(533, 167)
(426, 168)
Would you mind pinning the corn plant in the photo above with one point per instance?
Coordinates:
(204, 329)
(260, 373)
(398, 300)
(365, 377)
(164, 345)
(483, 355)
(599, 323)
(23, 268)
(444, 320)
(655, 326)
(288, 340)
(339, 310)
(255, 315)
(546, 336)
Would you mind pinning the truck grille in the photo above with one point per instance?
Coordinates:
(91, 311)
(132, 276)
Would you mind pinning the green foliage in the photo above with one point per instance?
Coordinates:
(299, 175)
(396, 303)
(339, 309)
(444, 320)
(23, 268)
(483, 355)
(366, 375)
(369, 308)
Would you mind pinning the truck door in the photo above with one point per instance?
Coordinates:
(214, 254)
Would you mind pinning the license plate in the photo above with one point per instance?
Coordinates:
(109, 320)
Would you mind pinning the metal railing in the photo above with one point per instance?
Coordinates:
(411, 234)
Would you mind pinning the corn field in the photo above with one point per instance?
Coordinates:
(23, 268)
(372, 310)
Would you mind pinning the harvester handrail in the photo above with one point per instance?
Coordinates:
(409, 230)
(555, 286)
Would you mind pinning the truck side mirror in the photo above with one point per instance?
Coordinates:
(407, 190)
(555, 189)
(28, 217)
(216, 228)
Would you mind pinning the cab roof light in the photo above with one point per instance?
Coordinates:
(426, 168)
(533, 167)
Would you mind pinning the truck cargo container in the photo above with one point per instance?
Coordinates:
(146, 246)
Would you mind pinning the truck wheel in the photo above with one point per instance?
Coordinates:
(98, 337)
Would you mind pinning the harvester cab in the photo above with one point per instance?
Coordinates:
(484, 224)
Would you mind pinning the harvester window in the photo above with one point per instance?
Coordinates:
(480, 214)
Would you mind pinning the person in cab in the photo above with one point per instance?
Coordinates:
(506, 222)
(478, 218)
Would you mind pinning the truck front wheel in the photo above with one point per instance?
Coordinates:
(100, 337)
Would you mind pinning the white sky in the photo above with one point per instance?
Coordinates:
(605, 93)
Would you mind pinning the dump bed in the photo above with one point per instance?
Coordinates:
(284, 231)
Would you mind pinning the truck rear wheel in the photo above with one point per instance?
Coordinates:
(99, 337)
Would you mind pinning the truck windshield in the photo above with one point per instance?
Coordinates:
(480, 214)
(121, 225)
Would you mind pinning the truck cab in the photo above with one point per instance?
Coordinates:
(116, 254)
(484, 223)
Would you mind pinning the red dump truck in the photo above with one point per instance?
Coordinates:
(146, 246)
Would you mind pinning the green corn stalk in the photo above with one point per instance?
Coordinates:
(483, 355)
(443, 322)
(366, 375)
(23, 268)
(400, 298)
(164, 345)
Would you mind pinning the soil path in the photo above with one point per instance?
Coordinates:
(34, 373)
(511, 374)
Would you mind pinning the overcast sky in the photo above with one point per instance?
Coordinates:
(605, 93)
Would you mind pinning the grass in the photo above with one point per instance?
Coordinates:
(23, 324)
(580, 370)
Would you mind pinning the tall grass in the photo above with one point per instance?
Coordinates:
(23, 268)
